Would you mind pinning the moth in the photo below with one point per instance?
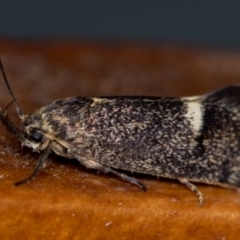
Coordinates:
(191, 139)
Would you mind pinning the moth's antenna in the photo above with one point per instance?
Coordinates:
(19, 112)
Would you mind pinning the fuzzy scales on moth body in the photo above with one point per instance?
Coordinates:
(197, 139)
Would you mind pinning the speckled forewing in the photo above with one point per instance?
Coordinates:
(194, 138)
(147, 135)
(141, 135)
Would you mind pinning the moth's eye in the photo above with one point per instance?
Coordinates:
(36, 135)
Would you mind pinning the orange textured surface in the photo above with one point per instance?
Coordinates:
(66, 201)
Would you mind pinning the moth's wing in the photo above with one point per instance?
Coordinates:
(137, 134)
(225, 97)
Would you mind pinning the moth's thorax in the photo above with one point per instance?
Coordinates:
(32, 121)
(63, 118)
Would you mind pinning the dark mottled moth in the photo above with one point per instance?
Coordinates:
(192, 139)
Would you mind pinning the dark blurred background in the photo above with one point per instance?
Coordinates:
(173, 21)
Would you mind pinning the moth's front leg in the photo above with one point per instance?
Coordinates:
(41, 163)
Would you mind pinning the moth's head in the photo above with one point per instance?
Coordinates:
(32, 131)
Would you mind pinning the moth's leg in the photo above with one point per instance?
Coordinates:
(94, 165)
(41, 164)
(194, 189)
(124, 177)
